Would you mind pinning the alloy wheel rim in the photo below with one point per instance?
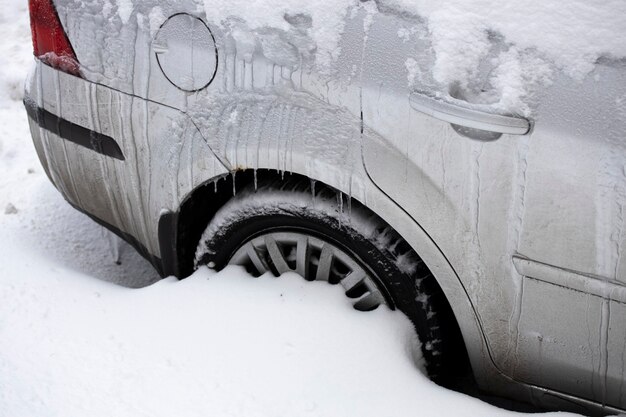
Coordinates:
(313, 259)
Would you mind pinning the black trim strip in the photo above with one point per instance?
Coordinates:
(74, 133)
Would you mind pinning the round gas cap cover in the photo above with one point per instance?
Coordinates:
(186, 52)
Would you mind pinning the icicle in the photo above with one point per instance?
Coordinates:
(340, 202)
(252, 74)
(313, 190)
(215, 185)
(350, 200)
(301, 70)
(340, 196)
(273, 74)
(117, 258)
(255, 180)
(234, 185)
(114, 246)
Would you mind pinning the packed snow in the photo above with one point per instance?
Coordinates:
(527, 43)
(574, 34)
(87, 328)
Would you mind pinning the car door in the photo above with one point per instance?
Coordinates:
(531, 222)
(571, 251)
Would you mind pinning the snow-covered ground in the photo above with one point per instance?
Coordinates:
(77, 340)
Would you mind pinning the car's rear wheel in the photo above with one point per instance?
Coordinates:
(287, 226)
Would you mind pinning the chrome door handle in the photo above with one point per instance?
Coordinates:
(476, 116)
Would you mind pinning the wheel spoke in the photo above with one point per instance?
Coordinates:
(276, 255)
(257, 261)
(326, 260)
(302, 257)
(353, 279)
(369, 301)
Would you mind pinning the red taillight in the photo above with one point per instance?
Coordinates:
(50, 43)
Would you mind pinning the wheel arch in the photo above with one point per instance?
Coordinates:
(180, 232)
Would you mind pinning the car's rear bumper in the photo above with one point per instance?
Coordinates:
(72, 152)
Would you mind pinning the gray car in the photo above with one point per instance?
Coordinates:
(203, 137)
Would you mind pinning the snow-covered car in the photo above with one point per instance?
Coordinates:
(461, 162)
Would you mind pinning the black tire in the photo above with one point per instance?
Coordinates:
(293, 206)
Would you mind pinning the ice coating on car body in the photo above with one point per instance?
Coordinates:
(462, 37)
(333, 106)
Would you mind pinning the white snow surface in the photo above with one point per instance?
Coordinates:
(76, 340)
(573, 33)
(525, 42)
(327, 18)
